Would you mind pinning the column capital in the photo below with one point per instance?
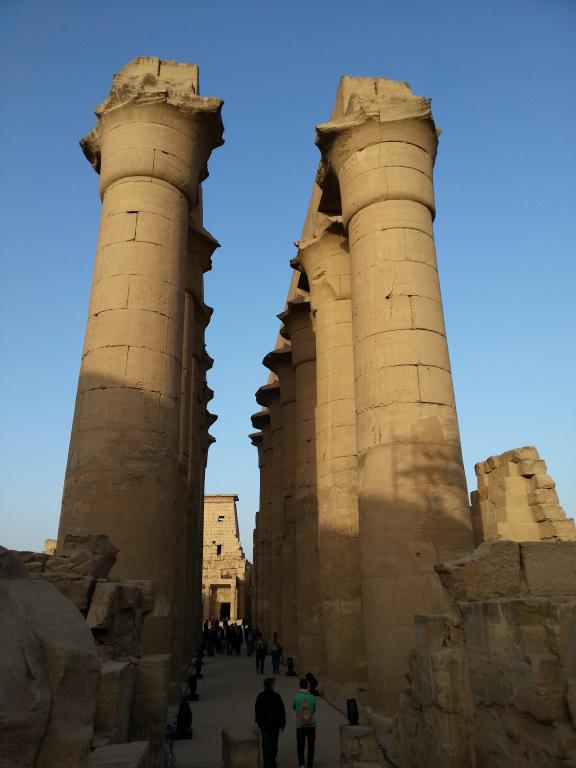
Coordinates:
(297, 319)
(256, 438)
(201, 246)
(380, 133)
(268, 394)
(154, 124)
(260, 420)
(279, 361)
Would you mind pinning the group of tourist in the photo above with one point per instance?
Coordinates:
(228, 637)
(270, 716)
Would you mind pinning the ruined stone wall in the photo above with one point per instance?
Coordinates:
(492, 681)
(225, 570)
(88, 695)
(517, 500)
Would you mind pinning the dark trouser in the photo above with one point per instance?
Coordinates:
(275, 661)
(260, 656)
(269, 746)
(303, 734)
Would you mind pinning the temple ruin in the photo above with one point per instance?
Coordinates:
(449, 622)
(363, 491)
(226, 574)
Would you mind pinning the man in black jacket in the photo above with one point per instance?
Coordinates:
(271, 719)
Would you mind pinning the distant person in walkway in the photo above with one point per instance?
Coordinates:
(271, 719)
(261, 651)
(304, 704)
(275, 653)
(249, 641)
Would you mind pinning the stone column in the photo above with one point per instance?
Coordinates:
(151, 145)
(268, 396)
(280, 362)
(326, 262)
(201, 246)
(263, 547)
(298, 326)
(257, 441)
(413, 504)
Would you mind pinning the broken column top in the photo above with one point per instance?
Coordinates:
(152, 83)
(148, 78)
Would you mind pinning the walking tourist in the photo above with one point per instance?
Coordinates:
(271, 719)
(261, 650)
(275, 653)
(304, 704)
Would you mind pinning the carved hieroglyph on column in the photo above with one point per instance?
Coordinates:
(280, 362)
(299, 329)
(150, 146)
(325, 260)
(378, 153)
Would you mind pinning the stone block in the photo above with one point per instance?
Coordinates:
(492, 570)
(150, 704)
(132, 755)
(549, 567)
(358, 743)
(241, 747)
(47, 706)
(102, 605)
(11, 566)
(115, 700)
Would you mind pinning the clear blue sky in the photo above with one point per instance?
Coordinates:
(501, 74)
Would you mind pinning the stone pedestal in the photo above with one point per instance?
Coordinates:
(280, 362)
(298, 326)
(241, 747)
(326, 262)
(413, 508)
(151, 146)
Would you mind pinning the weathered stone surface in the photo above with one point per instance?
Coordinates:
(549, 567)
(114, 707)
(150, 705)
(11, 566)
(132, 755)
(241, 747)
(24, 690)
(516, 499)
(84, 555)
(491, 570)
(53, 672)
(117, 613)
(358, 743)
(74, 569)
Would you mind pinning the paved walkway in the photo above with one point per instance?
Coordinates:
(227, 692)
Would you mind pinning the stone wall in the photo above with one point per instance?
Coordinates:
(492, 682)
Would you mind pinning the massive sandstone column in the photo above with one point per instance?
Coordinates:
(325, 260)
(381, 145)
(280, 362)
(262, 566)
(299, 329)
(268, 396)
(151, 146)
